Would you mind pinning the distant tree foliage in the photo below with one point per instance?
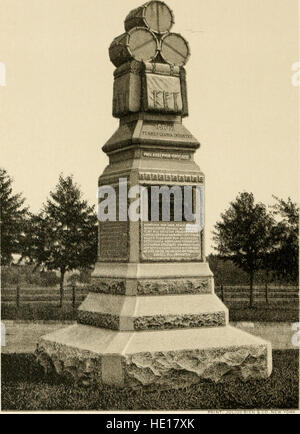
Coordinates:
(243, 235)
(64, 235)
(27, 274)
(227, 273)
(285, 258)
(13, 216)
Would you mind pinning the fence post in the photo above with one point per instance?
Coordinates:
(222, 293)
(267, 292)
(73, 296)
(18, 297)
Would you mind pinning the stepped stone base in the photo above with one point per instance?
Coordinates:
(151, 312)
(154, 359)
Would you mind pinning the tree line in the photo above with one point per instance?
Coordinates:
(63, 235)
(260, 238)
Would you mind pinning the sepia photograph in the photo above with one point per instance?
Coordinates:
(149, 209)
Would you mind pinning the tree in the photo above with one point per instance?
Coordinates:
(35, 240)
(64, 235)
(12, 218)
(285, 260)
(243, 235)
(268, 258)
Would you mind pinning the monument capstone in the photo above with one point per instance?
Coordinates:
(152, 318)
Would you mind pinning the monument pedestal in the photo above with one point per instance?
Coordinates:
(152, 317)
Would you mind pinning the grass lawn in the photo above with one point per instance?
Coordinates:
(35, 312)
(24, 387)
(273, 312)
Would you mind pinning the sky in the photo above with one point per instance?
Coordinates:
(55, 110)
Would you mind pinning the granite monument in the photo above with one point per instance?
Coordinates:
(152, 318)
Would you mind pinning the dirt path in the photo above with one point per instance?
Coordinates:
(279, 334)
(22, 337)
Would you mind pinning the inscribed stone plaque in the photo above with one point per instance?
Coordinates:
(163, 94)
(175, 132)
(169, 241)
(114, 241)
(167, 155)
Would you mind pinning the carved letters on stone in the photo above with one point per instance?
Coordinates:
(166, 155)
(155, 130)
(163, 94)
(114, 241)
(159, 86)
(169, 242)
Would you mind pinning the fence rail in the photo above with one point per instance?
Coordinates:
(274, 294)
(74, 295)
(19, 296)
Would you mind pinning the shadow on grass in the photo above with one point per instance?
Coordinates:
(44, 312)
(281, 312)
(25, 387)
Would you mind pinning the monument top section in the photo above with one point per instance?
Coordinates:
(155, 15)
(150, 89)
(148, 38)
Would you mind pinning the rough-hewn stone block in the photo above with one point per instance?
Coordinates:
(174, 286)
(165, 359)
